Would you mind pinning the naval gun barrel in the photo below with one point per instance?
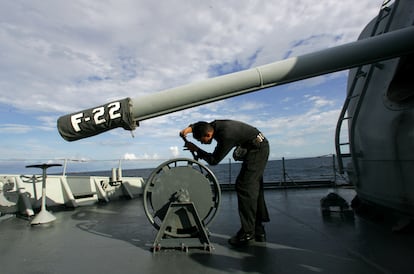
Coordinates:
(128, 112)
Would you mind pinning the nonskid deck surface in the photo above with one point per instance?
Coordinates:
(117, 238)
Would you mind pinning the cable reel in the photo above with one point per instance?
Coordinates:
(181, 197)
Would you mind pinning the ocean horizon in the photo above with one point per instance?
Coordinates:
(322, 168)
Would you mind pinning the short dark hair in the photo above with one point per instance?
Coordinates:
(200, 129)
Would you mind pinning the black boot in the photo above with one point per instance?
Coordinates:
(242, 238)
(260, 233)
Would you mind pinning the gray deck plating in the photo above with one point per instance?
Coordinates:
(117, 237)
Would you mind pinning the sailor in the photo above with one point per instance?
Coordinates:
(253, 149)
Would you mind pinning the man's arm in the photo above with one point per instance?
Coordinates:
(189, 145)
(187, 130)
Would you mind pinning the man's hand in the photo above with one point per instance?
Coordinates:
(188, 145)
(191, 147)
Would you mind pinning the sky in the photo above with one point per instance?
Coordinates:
(59, 57)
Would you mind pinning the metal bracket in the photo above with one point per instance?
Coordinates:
(188, 216)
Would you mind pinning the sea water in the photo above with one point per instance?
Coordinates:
(322, 168)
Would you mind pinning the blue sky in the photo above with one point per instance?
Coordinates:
(58, 57)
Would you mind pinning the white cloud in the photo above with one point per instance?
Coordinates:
(15, 128)
(130, 156)
(175, 151)
(113, 50)
(248, 106)
(144, 156)
(319, 101)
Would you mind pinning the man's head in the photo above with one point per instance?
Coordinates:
(203, 132)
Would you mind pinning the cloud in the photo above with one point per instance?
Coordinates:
(15, 129)
(65, 51)
(251, 105)
(175, 151)
(314, 125)
(130, 156)
(319, 102)
(144, 156)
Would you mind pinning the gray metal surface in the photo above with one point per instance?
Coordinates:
(117, 238)
(380, 127)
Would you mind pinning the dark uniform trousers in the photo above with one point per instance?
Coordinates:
(249, 187)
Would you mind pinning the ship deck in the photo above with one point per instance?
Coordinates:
(117, 238)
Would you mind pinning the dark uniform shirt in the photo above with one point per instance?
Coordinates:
(228, 134)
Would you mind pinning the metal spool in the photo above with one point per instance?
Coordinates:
(181, 180)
